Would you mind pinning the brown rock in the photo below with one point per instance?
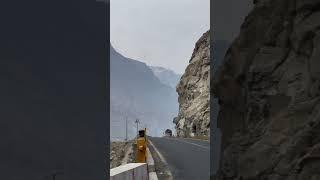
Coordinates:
(193, 89)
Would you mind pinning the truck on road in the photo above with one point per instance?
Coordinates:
(168, 133)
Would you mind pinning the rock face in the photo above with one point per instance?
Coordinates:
(268, 90)
(193, 90)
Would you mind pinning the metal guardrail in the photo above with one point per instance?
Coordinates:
(140, 170)
(131, 171)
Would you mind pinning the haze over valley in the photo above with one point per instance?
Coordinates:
(136, 92)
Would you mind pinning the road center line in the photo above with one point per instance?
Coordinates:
(204, 147)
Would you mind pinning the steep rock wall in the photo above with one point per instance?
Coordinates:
(193, 90)
(268, 90)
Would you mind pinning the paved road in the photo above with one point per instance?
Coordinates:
(188, 159)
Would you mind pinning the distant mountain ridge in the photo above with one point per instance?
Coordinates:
(166, 76)
(135, 92)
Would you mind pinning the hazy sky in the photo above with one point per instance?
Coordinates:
(158, 32)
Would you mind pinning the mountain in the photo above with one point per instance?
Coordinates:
(268, 90)
(166, 76)
(193, 89)
(135, 92)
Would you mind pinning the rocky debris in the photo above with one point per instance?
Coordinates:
(193, 90)
(121, 153)
(269, 89)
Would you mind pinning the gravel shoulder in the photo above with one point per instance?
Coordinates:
(121, 153)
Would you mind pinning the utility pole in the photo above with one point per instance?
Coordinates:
(137, 122)
(126, 128)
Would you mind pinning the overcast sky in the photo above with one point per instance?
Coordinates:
(158, 32)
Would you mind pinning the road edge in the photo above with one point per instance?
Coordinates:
(161, 158)
(194, 139)
(151, 169)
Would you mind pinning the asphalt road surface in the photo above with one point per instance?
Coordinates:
(187, 159)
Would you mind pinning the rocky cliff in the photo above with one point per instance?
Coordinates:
(193, 90)
(268, 90)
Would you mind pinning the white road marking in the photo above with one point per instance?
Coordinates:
(161, 158)
(159, 154)
(150, 160)
(153, 176)
(204, 147)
